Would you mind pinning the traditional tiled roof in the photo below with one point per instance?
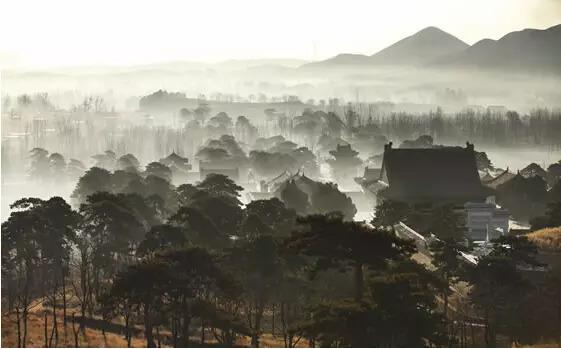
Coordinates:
(502, 178)
(443, 173)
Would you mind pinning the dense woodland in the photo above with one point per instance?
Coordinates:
(143, 252)
(176, 261)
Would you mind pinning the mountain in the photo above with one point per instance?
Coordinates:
(525, 50)
(420, 48)
(342, 59)
(417, 49)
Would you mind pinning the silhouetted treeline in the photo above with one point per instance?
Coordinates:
(538, 127)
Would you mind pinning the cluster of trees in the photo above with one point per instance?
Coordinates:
(538, 127)
(283, 156)
(53, 166)
(26, 102)
(220, 271)
(306, 196)
(192, 260)
(527, 197)
(510, 288)
(211, 264)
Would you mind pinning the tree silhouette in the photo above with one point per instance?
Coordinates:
(39, 164)
(295, 199)
(220, 185)
(256, 264)
(94, 180)
(347, 245)
(328, 198)
(159, 170)
(161, 237)
(128, 162)
(38, 235)
(199, 229)
(389, 213)
(498, 288)
(274, 214)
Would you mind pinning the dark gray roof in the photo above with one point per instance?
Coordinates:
(443, 173)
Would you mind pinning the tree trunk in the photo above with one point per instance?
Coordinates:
(75, 331)
(185, 330)
(148, 328)
(445, 296)
(257, 326)
(359, 281)
(18, 326)
(45, 330)
(487, 333)
(127, 328)
(283, 324)
(84, 289)
(202, 332)
(55, 323)
(64, 299)
(25, 313)
(158, 336)
(174, 331)
(273, 321)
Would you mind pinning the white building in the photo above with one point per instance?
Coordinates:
(486, 221)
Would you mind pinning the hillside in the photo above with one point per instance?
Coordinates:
(526, 50)
(419, 48)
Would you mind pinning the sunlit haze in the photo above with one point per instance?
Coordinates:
(65, 32)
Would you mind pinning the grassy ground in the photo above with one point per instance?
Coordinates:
(113, 337)
(36, 334)
(548, 238)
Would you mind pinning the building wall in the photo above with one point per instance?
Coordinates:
(486, 218)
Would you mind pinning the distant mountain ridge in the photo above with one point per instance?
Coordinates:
(526, 50)
(419, 48)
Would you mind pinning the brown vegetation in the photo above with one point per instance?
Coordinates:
(547, 238)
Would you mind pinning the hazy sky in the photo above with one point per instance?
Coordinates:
(85, 32)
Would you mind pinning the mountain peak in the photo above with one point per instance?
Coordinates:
(419, 48)
(430, 30)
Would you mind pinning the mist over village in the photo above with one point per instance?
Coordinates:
(281, 174)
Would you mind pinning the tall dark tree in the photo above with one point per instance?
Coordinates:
(220, 185)
(256, 262)
(295, 199)
(448, 226)
(109, 234)
(498, 288)
(274, 214)
(389, 212)
(159, 170)
(199, 229)
(40, 164)
(326, 198)
(161, 237)
(38, 236)
(344, 245)
(94, 180)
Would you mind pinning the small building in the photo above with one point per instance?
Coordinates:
(493, 182)
(179, 167)
(267, 188)
(497, 109)
(176, 161)
(206, 168)
(486, 220)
